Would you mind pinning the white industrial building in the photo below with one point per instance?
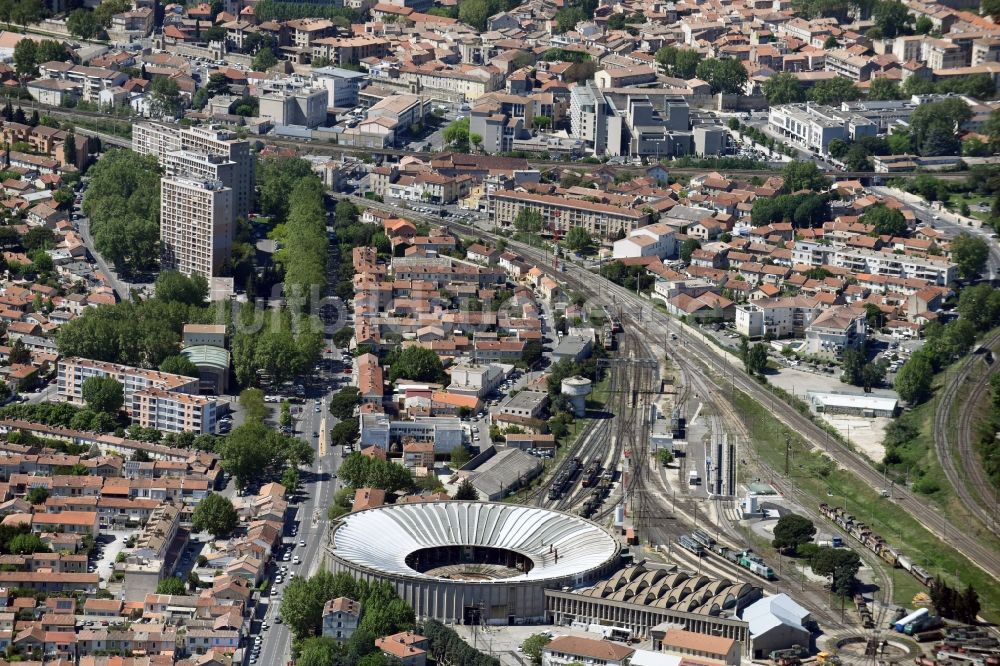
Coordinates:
(814, 126)
(776, 623)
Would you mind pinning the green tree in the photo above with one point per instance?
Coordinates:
(980, 305)
(26, 58)
(830, 42)
(290, 480)
(858, 158)
(935, 127)
(171, 585)
(798, 175)
(83, 24)
(179, 364)
(37, 495)
(532, 353)
(49, 50)
(103, 394)
(853, 364)
(25, 544)
(344, 401)
(346, 432)
(841, 565)
(578, 239)
(664, 456)
(881, 89)
(123, 204)
(69, 148)
(253, 406)
(754, 357)
(970, 254)
(175, 286)
(264, 60)
(682, 63)
(476, 12)
(834, 91)
(418, 364)
(466, 491)
(923, 25)
(887, 221)
(726, 75)
(791, 531)
(253, 450)
(533, 645)
(892, 17)
(165, 96)
(783, 88)
(687, 249)
(913, 381)
(216, 515)
(318, 651)
(456, 134)
(459, 457)
(528, 221)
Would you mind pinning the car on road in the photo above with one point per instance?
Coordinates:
(296, 560)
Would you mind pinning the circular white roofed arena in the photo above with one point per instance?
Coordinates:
(469, 562)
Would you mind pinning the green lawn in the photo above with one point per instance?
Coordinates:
(955, 201)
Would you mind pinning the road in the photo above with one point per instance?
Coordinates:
(692, 344)
(121, 288)
(318, 488)
(949, 223)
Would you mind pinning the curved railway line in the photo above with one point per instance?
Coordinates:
(961, 464)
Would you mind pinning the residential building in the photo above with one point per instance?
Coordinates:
(379, 430)
(340, 618)
(701, 646)
(196, 225)
(406, 646)
(937, 270)
(560, 214)
(418, 454)
(477, 380)
(844, 63)
(588, 112)
(350, 50)
(170, 411)
(92, 80)
(836, 330)
(74, 371)
(778, 318)
(205, 167)
(160, 139)
(654, 240)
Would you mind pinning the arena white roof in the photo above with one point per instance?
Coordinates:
(381, 538)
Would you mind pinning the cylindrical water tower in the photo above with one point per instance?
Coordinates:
(576, 389)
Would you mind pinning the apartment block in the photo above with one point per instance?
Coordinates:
(73, 371)
(845, 63)
(561, 214)
(196, 225)
(174, 412)
(92, 80)
(587, 112)
(936, 271)
(779, 317)
(837, 330)
(160, 139)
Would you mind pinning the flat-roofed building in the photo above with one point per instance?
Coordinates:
(196, 225)
(74, 371)
(170, 411)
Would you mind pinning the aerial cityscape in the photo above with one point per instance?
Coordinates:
(500, 333)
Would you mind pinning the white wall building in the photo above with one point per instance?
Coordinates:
(653, 240)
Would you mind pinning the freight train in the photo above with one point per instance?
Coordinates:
(563, 479)
(745, 559)
(875, 543)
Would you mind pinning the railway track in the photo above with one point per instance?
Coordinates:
(729, 376)
(317, 147)
(961, 464)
